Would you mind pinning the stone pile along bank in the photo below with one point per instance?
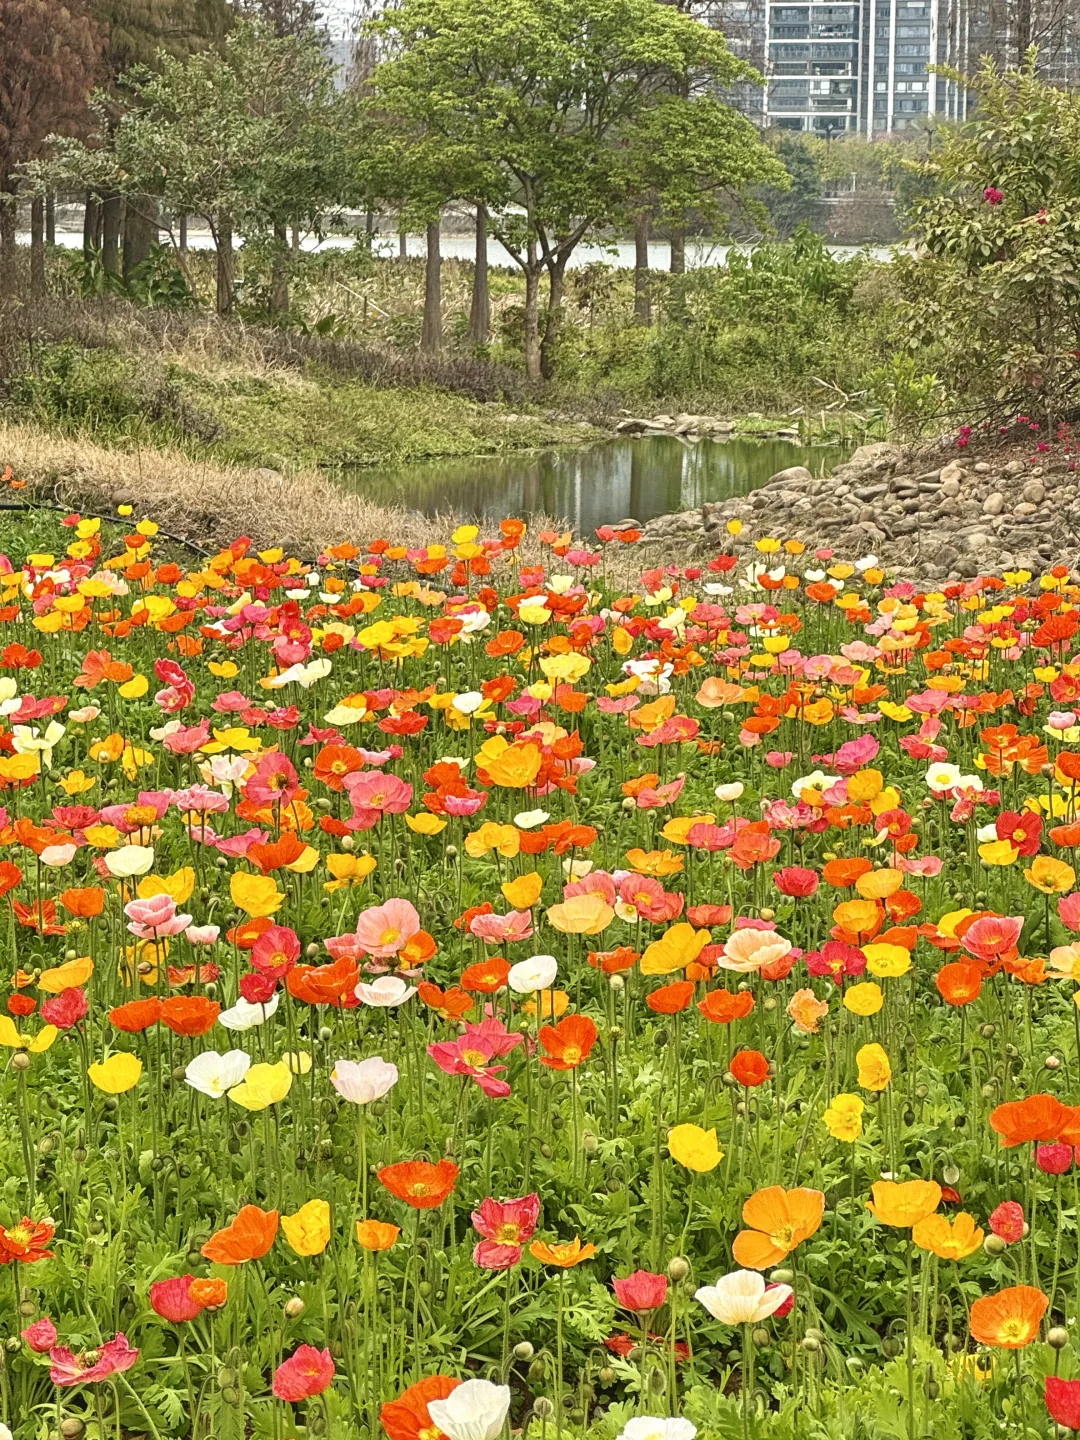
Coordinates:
(935, 514)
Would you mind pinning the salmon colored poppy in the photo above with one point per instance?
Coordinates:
(1010, 1319)
(419, 1183)
(249, 1237)
(779, 1220)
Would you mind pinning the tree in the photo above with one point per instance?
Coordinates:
(546, 95)
(138, 32)
(792, 205)
(251, 139)
(49, 54)
(993, 292)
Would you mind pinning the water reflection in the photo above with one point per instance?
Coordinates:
(621, 479)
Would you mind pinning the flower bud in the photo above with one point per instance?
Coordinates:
(523, 1350)
(20, 1061)
(294, 1307)
(761, 1338)
(678, 1268)
(1057, 1337)
(994, 1245)
(543, 1407)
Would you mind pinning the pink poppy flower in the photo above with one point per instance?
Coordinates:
(371, 790)
(641, 1291)
(382, 931)
(506, 1226)
(41, 1335)
(112, 1358)
(307, 1372)
(156, 917)
(502, 929)
(172, 1300)
(275, 781)
(66, 1009)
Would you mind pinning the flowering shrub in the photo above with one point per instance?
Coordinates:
(445, 992)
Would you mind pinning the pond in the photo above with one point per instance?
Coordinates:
(619, 479)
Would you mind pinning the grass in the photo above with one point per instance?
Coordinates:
(207, 501)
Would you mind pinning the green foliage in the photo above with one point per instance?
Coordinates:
(791, 206)
(908, 396)
(992, 300)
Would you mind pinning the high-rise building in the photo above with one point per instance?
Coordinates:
(864, 66)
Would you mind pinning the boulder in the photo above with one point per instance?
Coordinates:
(794, 475)
(880, 450)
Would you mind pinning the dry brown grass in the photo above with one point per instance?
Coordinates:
(211, 504)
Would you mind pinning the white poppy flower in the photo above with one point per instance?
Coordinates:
(212, 1074)
(245, 1016)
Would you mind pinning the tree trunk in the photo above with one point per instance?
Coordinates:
(224, 239)
(182, 225)
(553, 323)
(50, 219)
(141, 220)
(678, 250)
(7, 240)
(37, 247)
(279, 274)
(480, 312)
(91, 225)
(642, 304)
(295, 241)
(402, 245)
(431, 335)
(110, 233)
(532, 315)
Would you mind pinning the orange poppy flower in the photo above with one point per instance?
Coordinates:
(960, 983)
(671, 999)
(1010, 1319)
(614, 962)
(486, 976)
(722, 1007)
(450, 1004)
(277, 853)
(210, 1293)
(567, 1043)
(844, 872)
(750, 1068)
(323, 984)
(408, 1418)
(137, 1015)
(1038, 1117)
(376, 1234)
(189, 1014)
(780, 1220)
(564, 1255)
(249, 1237)
(419, 1183)
(84, 904)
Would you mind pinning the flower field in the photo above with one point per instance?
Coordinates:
(503, 986)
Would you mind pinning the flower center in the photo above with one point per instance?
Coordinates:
(508, 1233)
(390, 936)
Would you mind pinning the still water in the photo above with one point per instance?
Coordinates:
(617, 480)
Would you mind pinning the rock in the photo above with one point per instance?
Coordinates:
(1015, 467)
(951, 488)
(1025, 508)
(795, 475)
(1034, 491)
(663, 422)
(977, 540)
(981, 467)
(874, 454)
(953, 471)
(994, 504)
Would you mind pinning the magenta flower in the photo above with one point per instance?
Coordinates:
(112, 1358)
(1054, 1159)
(506, 1226)
(836, 959)
(992, 195)
(307, 1372)
(275, 952)
(472, 1053)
